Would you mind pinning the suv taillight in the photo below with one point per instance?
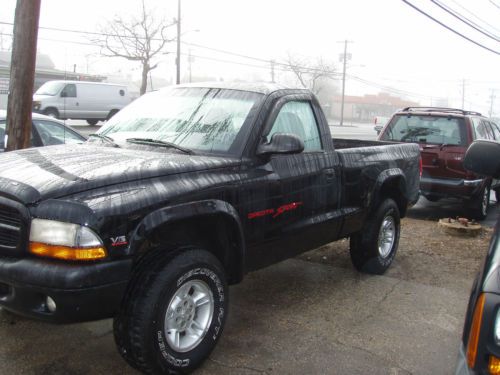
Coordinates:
(420, 168)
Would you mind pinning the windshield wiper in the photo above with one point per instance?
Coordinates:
(158, 142)
(110, 140)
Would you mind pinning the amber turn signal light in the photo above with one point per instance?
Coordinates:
(494, 366)
(475, 331)
(66, 252)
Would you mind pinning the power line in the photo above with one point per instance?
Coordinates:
(473, 15)
(495, 4)
(465, 20)
(449, 28)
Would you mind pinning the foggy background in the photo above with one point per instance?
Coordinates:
(392, 49)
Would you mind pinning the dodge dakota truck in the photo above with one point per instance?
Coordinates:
(181, 194)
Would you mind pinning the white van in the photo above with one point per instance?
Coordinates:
(89, 101)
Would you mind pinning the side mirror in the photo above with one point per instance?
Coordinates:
(282, 143)
(63, 94)
(483, 157)
(378, 129)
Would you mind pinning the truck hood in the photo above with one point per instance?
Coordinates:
(55, 171)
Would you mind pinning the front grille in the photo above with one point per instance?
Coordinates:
(10, 227)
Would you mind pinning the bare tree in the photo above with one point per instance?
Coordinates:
(137, 38)
(312, 75)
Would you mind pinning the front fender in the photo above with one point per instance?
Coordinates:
(198, 209)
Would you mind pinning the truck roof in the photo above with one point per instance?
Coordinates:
(259, 87)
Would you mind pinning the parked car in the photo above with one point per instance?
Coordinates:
(444, 135)
(480, 346)
(45, 131)
(91, 101)
(180, 194)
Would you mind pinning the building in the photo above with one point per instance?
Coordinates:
(366, 108)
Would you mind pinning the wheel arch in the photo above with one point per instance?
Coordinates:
(392, 184)
(211, 224)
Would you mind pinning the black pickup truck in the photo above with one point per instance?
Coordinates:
(180, 194)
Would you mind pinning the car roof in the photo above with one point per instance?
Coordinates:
(36, 116)
(258, 87)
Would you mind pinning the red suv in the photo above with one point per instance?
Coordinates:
(444, 135)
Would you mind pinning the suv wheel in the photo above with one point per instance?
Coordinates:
(480, 204)
(173, 314)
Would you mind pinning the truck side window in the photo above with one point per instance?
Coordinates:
(69, 91)
(298, 118)
(496, 130)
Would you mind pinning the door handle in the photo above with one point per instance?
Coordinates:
(330, 174)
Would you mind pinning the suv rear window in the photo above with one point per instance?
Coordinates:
(426, 129)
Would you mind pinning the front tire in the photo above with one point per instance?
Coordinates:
(173, 314)
(374, 247)
(480, 204)
(51, 112)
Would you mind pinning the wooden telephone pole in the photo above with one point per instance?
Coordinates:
(22, 74)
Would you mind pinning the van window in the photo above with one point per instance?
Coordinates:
(50, 88)
(122, 92)
(69, 91)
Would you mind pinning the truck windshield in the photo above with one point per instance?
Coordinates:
(426, 129)
(50, 88)
(202, 119)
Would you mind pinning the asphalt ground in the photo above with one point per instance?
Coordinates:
(300, 316)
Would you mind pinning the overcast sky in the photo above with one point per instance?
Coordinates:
(392, 44)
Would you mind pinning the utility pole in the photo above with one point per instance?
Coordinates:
(492, 99)
(178, 59)
(272, 71)
(22, 74)
(344, 58)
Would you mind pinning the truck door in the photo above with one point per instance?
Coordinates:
(308, 187)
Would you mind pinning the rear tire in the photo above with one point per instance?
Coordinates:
(480, 204)
(173, 312)
(374, 247)
(92, 121)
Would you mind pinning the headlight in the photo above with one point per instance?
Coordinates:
(55, 239)
(36, 105)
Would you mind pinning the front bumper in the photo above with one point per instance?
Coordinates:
(81, 292)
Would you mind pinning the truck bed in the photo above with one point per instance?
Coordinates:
(342, 143)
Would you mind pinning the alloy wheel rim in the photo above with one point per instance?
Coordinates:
(484, 204)
(386, 236)
(189, 315)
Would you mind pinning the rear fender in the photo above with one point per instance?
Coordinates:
(391, 183)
